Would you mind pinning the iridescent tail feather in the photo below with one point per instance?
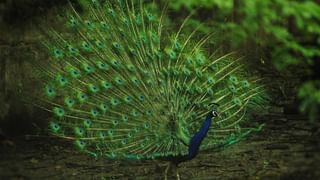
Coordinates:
(122, 86)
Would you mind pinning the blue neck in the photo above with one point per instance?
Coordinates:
(196, 140)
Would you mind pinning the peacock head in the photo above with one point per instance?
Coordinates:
(214, 112)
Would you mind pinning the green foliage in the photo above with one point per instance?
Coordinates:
(283, 34)
(177, 5)
(310, 94)
(284, 26)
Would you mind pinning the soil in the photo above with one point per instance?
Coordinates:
(287, 148)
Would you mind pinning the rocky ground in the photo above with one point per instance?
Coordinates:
(288, 148)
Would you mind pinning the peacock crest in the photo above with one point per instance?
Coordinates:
(121, 85)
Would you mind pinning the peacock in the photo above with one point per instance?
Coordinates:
(121, 84)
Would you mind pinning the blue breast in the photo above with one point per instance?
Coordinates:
(196, 140)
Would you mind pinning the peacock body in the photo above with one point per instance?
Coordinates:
(122, 86)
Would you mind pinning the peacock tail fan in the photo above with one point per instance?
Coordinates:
(122, 85)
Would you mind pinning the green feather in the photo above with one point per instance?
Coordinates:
(123, 84)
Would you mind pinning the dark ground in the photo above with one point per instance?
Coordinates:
(288, 148)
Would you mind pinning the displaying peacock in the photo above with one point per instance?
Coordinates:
(121, 85)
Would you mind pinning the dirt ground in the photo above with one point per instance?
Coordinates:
(288, 148)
